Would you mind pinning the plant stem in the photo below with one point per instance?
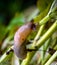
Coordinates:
(53, 57)
(38, 34)
(47, 58)
(44, 20)
(50, 31)
(45, 46)
(5, 43)
(42, 54)
(49, 55)
(42, 14)
(53, 43)
(49, 15)
(52, 6)
(5, 56)
(27, 60)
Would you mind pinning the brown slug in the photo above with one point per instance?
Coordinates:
(19, 38)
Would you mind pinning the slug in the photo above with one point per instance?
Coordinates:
(19, 38)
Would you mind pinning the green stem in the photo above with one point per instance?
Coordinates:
(50, 14)
(42, 54)
(53, 57)
(45, 46)
(49, 55)
(47, 58)
(42, 14)
(53, 43)
(28, 58)
(5, 56)
(6, 41)
(38, 34)
(50, 31)
(44, 20)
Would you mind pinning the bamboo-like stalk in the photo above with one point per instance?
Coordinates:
(49, 15)
(53, 57)
(38, 34)
(49, 55)
(41, 59)
(45, 46)
(50, 31)
(5, 56)
(46, 59)
(44, 20)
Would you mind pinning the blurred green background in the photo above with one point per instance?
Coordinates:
(8, 8)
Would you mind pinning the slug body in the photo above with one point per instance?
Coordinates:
(20, 37)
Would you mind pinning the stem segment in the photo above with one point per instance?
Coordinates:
(53, 57)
